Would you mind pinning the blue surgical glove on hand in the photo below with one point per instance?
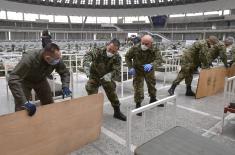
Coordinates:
(131, 71)
(148, 67)
(66, 91)
(30, 107)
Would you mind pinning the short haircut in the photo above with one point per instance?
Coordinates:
(115, 41)
(229, 40)
(51, 48)
(45, 33)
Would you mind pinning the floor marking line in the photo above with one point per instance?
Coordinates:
(216, 126)
(116, 138)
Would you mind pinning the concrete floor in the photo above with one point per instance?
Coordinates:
(202, 116)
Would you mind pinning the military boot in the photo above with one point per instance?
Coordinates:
(153, 99)
(118, 114)
(189, 91)
(138, 105)
(172, 89)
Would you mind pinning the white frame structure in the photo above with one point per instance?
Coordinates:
(131, 113)
(229, 94)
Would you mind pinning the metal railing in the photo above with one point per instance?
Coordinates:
(131, 113)
(229, 96)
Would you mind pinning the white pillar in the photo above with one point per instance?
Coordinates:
(94, 36)
(9, 35)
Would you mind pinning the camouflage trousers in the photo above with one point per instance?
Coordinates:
(186, 73)
(93, 85)
(138, 84)
(42, 90)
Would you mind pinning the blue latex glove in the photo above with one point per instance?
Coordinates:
(148, 67)
(66, 91)
(131, 71)
(30, 107)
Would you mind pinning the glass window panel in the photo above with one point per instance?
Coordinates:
(103, 19)
(114, 20)
(30, 17)
(76, 19)
(2, 14)
(91, 19)
(14, 15)
(61, 19)
(48, 17)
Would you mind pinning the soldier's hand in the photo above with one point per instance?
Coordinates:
(30, 107)
(131, 71)
(148, 67)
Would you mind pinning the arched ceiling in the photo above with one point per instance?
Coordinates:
(110, 4)
(134, 11)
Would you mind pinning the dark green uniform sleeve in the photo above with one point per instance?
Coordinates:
(116, 69)
(158, 58)
(128, 57)
(223, 56)
(89, 57)
(64, 74)
(16, 77)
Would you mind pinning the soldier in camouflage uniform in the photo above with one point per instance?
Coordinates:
(32, 72)
(196, 55)
(142, 59)
(103, 67)
(230, 50)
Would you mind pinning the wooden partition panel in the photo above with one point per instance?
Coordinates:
(211, 81)
(56, 129)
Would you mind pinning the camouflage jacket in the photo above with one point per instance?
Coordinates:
(100, 64)
(219, 50)
(32, 68)
(136, 57)
(197, 54)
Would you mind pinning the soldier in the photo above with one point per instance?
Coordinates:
(46, 38)
(103, 67)
(196, 55)
(230, 50)
(31, 72)
(136, 40)
(142, 59)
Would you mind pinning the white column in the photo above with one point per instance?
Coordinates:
(9, 35)
(94, 36)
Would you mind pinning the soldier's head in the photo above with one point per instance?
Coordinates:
(45, 33)
(112, 47)
(146, 42)
(228, 41)
(212, 40)
(51, 54)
